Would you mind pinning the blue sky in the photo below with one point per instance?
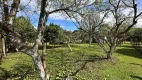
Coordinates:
(139, 2)
(64, 23)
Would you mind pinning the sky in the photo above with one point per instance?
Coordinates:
(59, 19)
(65, 24)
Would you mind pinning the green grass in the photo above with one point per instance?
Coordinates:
(83, 63)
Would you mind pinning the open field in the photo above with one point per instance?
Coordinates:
(83, 63)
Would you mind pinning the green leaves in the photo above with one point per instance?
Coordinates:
(52, 33)
(25, 28)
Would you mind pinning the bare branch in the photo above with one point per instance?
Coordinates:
(111, 4)
(56, 10)
(126, 4)
(134, 19)
(101, 20)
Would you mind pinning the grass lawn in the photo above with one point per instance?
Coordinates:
(83, 63)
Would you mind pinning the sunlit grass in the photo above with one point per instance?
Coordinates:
(83, 63)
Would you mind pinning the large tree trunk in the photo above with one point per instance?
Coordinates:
(39, 62)
(39, 66)
(109, 55)
(43, 59)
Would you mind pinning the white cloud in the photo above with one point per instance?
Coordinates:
(139, 24)
(62, 26)
(58, 16)
(109, 19)
(30, 3)
(62, 16)
(127, 11)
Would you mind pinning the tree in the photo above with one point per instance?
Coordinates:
(90, 19)
(136, 38)
(89, 23)
(117, 29)
(67, 35)
(80, 36)
(24, 27)
(47, 7)
(52, 33)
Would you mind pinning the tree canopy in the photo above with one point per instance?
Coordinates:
(24, 27)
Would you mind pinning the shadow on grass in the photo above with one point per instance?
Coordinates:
(66, 77)
(53, 46)
(129, 52)
(136, 64)
(18, 72)
(92, 58)
(126, 46)
(133, 76)
(82, 61)
(4, 73)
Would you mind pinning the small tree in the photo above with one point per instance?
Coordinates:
(118, 28)
(89, 23)
(67, 36)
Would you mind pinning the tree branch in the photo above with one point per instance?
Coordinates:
(40, 25)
